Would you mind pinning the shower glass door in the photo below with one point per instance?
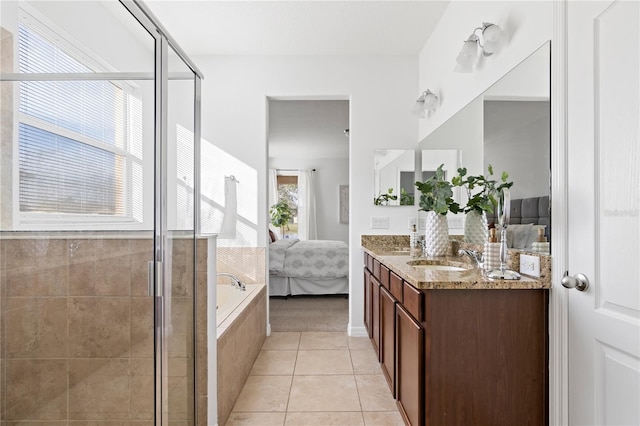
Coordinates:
(97, 224)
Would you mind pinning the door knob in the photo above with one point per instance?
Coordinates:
(579, 281)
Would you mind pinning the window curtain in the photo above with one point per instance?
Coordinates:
(273, 196)
(307, 229)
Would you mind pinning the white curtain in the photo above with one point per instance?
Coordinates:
(307, 229)
(273, 195)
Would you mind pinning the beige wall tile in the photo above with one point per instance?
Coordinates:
(99, 327)
(38, 389)
(180, 339)
(37, 281)
(113, 276)
(139, 272)
(36, 253)
(142, 332)
(99, 389)
(36, 328)
(142, 397)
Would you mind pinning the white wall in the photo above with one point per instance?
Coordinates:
(529, 24)
(381, 91)
(329, 174)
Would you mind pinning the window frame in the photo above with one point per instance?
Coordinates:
(30, 19)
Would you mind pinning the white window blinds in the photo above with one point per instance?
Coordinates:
(76, 138)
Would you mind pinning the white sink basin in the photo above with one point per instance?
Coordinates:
(440, 267)
(436, 265)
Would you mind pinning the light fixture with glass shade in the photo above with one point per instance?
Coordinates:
(428, 101)
(493, 40)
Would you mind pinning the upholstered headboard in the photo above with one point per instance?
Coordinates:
(529, 210)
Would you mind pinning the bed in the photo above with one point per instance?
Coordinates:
(527, 215)
(310, 267)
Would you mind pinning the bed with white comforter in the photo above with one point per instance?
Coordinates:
(299, 267)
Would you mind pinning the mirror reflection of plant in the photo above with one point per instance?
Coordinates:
(281, 215)
(406, 199)
(383, 199)
(436, 194)
(486, 199)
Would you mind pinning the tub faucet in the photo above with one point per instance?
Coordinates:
(235, 281)
(476, 256)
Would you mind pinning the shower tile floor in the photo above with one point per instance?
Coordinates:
(315, 378)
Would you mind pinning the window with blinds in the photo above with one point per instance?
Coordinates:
(79, 141)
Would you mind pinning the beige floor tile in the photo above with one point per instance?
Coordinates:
(264, 393)
(324, 393)
(374, 393)
(323, 361)
(256, 419)
(360, 343)
(365, 362)
(285, 340)
(324, 419)
(274, 363)
(383, 418)
(323, 340)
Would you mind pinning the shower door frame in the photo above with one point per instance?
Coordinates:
(162, 295)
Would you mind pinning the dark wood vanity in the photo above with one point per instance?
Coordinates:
(459, 356)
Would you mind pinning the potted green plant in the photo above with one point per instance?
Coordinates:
(436, 198)
(281, 215)
(383, 199)
(482, 193)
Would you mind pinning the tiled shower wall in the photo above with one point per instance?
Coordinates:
(246, 263)
(77, 331)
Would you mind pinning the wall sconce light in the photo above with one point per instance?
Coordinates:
(428, 101)
(493, 39)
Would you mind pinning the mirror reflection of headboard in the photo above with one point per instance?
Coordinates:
(534, 210)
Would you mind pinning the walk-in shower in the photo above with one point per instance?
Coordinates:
(100, 114)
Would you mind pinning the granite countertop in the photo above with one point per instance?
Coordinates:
(394, 257)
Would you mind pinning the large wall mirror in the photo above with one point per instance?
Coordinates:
(394, 177)
(509, 127)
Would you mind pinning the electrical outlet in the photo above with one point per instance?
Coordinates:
(530, 265)
(412, 221)
(379, 222)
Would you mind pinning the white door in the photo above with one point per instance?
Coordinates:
(604, 211)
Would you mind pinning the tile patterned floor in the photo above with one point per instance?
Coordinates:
(315, 379)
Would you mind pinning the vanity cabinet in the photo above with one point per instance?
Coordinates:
(387, 337)
(461, 356)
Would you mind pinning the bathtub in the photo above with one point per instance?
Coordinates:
(241, 318)
(228, 298)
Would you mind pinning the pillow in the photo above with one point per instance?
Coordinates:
(272, 236)
(533, 234)
(518, 235)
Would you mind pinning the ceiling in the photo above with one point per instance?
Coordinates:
(299, 27)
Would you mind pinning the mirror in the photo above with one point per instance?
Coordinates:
(394, 177)
(509, 127)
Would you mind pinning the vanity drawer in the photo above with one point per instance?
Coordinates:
(384, 276)
(376, 269)
(368, 261)
(413, 301)
(395, 284)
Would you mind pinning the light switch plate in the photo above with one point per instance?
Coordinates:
(379, 222)
(455, 222)
(530, 265)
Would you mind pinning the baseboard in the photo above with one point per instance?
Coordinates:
(357, 331)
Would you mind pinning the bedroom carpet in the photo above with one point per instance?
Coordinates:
(309, 313)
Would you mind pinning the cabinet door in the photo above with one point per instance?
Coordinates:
(409, 367)
(375, 315)
(367, 301)
(388, 337)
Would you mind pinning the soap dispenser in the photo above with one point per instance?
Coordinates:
(492, 252)
(541, 245)
(414, 242)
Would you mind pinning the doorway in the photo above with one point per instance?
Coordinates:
(308, 168)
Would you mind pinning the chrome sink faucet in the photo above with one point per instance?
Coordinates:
(235, 281)
(477, 257)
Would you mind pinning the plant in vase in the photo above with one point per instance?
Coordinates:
(436, 198)
(482, 193)
(281, 215)
(384, 199)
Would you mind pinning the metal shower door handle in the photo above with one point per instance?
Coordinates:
(579, 281)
